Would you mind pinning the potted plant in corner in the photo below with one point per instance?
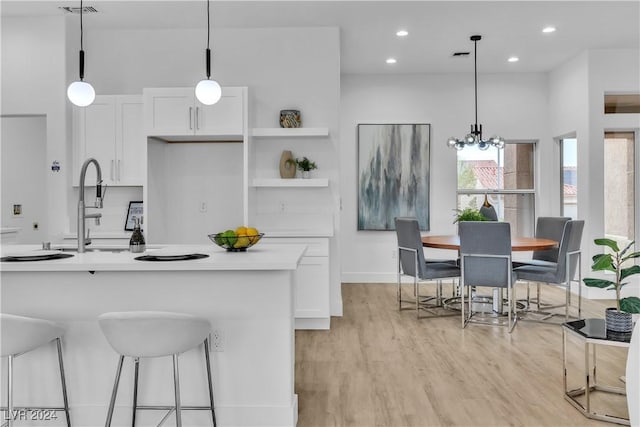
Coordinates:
(306, 166)
(618, 319)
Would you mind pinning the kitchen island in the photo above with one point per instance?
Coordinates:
(248, 298)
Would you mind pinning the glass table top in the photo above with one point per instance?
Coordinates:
(596, 329)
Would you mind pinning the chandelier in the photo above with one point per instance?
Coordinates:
(475, 136)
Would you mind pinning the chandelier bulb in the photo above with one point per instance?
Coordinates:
(470, 139)
(451, 142)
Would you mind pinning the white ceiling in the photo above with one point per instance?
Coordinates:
(367, 28)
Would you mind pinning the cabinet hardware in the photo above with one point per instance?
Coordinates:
(191, 118)
(118, 171)
(112, 170)
(197, 118)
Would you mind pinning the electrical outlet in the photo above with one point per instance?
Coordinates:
(217, 340)
(283, 207)
(203, 206)
(393, 254)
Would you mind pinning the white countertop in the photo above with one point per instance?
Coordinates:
(262, 256)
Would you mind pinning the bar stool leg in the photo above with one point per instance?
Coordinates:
(114, 393)
(176, 386)
(206, 356)
(10, 391)
(135, 390)
(64, 382)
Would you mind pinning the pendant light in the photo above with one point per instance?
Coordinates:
(475, 136)
(208, 91)
(80, 92)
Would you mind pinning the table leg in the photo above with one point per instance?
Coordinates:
(587, 386)
(497, 300)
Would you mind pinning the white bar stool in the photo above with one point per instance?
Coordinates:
(142, 334)
(20, 335)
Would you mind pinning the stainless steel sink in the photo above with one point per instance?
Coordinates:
(95, 249)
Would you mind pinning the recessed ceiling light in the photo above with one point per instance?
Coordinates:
(548, 29)
(391, 61)
(402, 33)
(513, 59)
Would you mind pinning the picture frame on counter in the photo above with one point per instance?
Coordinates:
(135, 211)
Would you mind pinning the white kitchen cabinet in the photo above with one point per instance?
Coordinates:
(312, 305)
(111, 131)
(175, 114)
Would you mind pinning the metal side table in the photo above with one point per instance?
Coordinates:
(592, 332)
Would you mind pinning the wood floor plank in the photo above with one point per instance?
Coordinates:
(378, 366)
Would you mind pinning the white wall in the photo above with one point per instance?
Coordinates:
(511, 105)
(577, 106)
(24, 145)
(34, 82)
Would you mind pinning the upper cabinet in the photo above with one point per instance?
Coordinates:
(110, 130)
(175, 114)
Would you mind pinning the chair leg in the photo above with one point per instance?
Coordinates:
(10, 412)
(63, 382)
(208, 362)
(176, 388)
(112, 403)
(136, 372)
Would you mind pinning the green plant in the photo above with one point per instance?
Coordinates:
(613, 262)
(306, 164)
(469, 214)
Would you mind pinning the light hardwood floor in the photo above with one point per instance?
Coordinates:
(381, 367)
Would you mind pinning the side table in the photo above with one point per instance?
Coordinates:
(592, 332)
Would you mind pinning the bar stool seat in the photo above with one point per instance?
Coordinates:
(20, 335)
(148, 334)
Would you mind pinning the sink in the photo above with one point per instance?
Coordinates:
(96, 249)
(100, 248)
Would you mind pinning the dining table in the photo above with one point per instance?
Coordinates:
(518, 244)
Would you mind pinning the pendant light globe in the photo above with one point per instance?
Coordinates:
(208, 92)
(81, 93)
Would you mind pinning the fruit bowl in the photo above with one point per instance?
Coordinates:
(235, 243)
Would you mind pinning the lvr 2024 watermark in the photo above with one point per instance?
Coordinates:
(28, 414)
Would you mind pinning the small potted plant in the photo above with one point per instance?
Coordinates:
(306, 166)
(469, 214)
(618, 319)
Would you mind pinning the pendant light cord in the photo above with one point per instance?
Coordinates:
(81, 30)
(208, 55)
(475, 73)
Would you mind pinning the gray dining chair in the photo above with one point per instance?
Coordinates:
(485, 260)
(411, 262)
(547, 227)
(561, 273)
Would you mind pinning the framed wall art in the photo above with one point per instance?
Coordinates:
(135, 211)
(393, 174)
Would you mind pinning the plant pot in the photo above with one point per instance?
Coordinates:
(618, 321)
(306, 174)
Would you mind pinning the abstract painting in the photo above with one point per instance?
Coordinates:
(393, 174)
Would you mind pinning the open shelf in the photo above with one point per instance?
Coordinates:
(289, 132)
(294, 182)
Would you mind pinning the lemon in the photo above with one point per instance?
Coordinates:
(241, 230)
(254, 234)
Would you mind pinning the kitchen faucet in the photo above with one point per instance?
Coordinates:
(82, 214)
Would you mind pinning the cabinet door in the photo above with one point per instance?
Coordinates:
(225, 117)
(312, 290)
(130, 141)
(169, 111)
(98, 138)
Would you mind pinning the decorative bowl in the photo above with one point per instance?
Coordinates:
(235, 243)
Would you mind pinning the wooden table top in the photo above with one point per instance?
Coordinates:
(517, 243)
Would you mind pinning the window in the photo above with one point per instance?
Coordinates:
(569, 177)
(507, 178)
(619, 187)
